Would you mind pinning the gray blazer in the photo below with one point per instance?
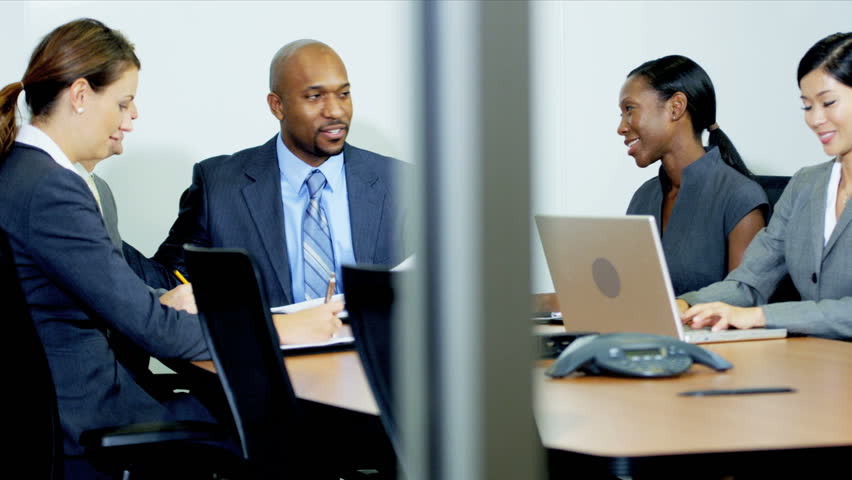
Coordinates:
(793, 242)
(155, 275)
(109, 210)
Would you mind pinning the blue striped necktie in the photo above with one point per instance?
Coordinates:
(316, 241)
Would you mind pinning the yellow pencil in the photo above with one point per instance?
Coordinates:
(181, 277)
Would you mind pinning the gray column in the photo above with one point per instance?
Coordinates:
(467, 409)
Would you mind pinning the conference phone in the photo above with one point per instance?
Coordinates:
(632, 355)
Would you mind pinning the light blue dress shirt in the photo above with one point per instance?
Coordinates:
(295, 197)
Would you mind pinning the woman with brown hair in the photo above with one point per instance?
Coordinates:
(80, 86)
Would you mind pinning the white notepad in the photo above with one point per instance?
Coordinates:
(336, 340)
(295, 307)
(343, 337)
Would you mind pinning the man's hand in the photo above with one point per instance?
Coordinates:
(180, 298)
(311, 325)
(722, 316)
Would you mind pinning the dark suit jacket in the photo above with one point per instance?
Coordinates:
(235, 201)
(79, 288)
(156, 276)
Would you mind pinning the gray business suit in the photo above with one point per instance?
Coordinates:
(793, 242)
(156, 276)
(108, 210)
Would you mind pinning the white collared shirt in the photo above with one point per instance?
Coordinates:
(81, 170)
(35, 137)
(831, 201)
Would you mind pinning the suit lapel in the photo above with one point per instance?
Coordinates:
(816, 214)
(262, 194)
(365, 195)
(842, 224)
(108, 211)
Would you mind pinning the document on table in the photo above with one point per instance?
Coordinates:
(341, 339)
(332, 344)
(407, 264)
(295, 307)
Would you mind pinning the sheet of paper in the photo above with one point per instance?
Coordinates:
(295, 307)
(342, 337)
(407, 264)
(337, 340)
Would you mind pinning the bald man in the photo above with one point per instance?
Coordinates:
(305, 202)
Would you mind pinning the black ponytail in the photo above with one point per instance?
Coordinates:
(676, 73)
(729, 153)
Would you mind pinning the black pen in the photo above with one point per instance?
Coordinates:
(736, 391)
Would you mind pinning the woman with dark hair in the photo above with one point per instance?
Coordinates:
(809, 235)
(80, 86)
(705, 201)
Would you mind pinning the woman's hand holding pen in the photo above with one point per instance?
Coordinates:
(311, 325)
(180, 298)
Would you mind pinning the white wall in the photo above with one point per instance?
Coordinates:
(204, 80)
(582, 52)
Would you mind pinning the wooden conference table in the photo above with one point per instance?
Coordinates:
(639, 426)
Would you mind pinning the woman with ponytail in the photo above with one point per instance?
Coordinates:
(705, 201)
(80, 87)
(809, 236)
(8, 115)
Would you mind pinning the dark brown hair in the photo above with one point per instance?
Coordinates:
(84, 48)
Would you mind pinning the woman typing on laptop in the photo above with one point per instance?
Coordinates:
(809, 235)
(705, 201)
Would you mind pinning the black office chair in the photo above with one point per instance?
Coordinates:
(774, 186)
(370, 295)
(33, 423)
(244, 345)
(35, 416)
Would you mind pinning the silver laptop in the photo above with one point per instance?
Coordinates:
(610, 276)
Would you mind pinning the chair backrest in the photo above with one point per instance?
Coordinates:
(370, 297)
(774, 186)
(34, 417)
(244, 345)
